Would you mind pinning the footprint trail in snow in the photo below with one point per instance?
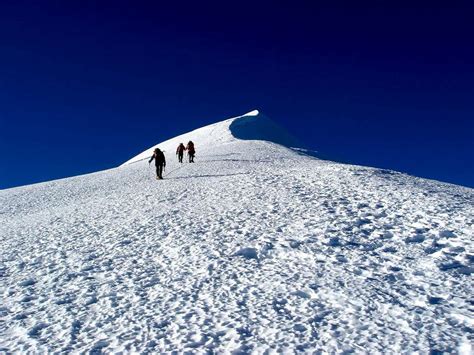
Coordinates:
(253, 248)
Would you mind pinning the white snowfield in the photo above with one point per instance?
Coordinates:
(255, 248)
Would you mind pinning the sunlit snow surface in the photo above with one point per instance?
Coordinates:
(253, 248)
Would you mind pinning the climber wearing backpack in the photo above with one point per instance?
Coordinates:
(180, 152)
(191, 151)
(160, 162)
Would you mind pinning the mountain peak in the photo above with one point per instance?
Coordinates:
(252, 113)
(256, 126)
(250, 126)
(255, 248)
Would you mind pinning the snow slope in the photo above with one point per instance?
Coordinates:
(254, 248)
(251, 126)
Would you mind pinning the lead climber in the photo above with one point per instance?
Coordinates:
(160, 162)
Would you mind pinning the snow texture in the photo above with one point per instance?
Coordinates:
(254, 248)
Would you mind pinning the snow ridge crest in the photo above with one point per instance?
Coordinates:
(250, 126)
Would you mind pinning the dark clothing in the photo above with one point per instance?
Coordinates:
(160, 162)
(159, 158)
(190, 148)
(191, 151)
(191, 156)
(180, 152)
(159, 171)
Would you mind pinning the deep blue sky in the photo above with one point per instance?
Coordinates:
(85, 85)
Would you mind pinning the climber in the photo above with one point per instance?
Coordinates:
(160, 162)
(191, 151)
(180, 152)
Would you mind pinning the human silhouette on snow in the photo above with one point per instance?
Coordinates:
(160, 162)
(180, 152)
(191, 151)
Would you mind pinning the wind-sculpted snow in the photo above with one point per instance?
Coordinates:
(251, 126)
(253, 248)
(258, 127)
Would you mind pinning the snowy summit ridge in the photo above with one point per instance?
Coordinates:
(250, 126)
(254, 248)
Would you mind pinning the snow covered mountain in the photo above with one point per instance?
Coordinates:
(254, 248)
(251, 126)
